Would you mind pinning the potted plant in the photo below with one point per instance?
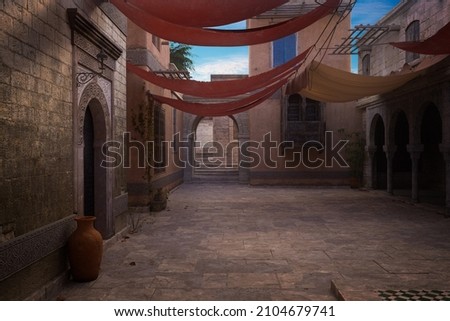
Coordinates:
(159, 202)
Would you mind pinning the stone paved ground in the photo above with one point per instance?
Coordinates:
(234, 242)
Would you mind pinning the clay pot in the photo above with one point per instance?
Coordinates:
(85, 250)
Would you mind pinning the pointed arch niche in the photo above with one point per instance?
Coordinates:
(432, 163)
(379, 161)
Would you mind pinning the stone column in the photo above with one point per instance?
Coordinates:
(370, 171)
(390, 152)
(445, 149)
(415, 151)
(244, 172)
(188, 156)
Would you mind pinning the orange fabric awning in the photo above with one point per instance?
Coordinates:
(205, 13)
(438, 44)
(222, 89)
(215, 37)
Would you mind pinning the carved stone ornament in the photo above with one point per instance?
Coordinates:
(24, 250)
(91, 91)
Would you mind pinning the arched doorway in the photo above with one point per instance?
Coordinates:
(432, 163)
(379, 158)
(191, 122)
(94, 175)
(402, 165)
(216, 149)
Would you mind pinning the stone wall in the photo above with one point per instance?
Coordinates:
(417, 163)
(37, 101)
(432, 15)
(36, 114)
(143, 49)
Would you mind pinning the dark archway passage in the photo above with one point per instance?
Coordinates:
(402, 160)
(432, 164)
(380, 161)
(216, 153)
(95, 176)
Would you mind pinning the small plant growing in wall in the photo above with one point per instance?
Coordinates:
(143, 122)
(355, 155)
(135, 222)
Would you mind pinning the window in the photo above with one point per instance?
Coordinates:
(302, 120)
(174, 130)
(294, 108)
(312, 110)
(412, 34)
(366, 65)
(156, 42)
(284, 49)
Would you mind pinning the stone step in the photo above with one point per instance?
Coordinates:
(216, 171)
(223, 179)
(216, 175)
(216, 164)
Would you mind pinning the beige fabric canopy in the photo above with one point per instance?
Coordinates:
(324, 83)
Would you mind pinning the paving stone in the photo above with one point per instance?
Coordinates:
(253, 280)
(236, 242)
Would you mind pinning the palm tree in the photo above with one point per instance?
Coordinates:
(180, 56)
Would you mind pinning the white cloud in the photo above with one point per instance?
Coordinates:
(220, 65)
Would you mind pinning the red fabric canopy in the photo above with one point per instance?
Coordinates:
(213, 37)
(205, 13)
(222, 89)
(225, 108)
(439, 44)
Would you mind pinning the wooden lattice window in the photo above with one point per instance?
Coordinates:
(366, 65)
(294, 108)
(312, 110)
(412, 34)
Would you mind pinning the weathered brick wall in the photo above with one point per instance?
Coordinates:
(35, 114)
(36, 110)
(37, 136)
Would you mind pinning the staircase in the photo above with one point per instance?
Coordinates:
(208, 172)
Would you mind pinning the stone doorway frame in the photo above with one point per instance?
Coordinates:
(98, 93)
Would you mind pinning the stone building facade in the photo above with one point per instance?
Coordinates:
(152, 167)
(294, 123)
(264, 157)
(53, 123)
(408, 144)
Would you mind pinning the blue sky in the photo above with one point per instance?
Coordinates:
(234, 60)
